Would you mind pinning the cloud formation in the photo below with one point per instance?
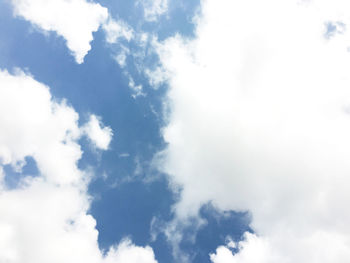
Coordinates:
(127, 252)
(117, 29)
(45, 218)
(74, 20)
(260, 122)
(100, 136)
(152, 9)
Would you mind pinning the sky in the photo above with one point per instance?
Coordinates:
(160, 131)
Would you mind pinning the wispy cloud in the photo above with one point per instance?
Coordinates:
(153, 9)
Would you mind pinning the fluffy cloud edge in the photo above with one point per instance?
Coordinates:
(74, 20)
(259, 122)
(99, 135)
(45, 218)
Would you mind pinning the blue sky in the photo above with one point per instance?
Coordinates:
(174, 131)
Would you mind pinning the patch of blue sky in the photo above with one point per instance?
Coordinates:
(333, 28)
(177, 19)
(15, 175)
(127, 209)
(218, 229)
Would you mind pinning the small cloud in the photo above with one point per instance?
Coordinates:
(100, 136)
(124, 155)
(152, 9)
(121, 57)
(117, 29)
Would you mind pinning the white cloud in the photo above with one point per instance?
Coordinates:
(154, 8)
(74, 20)
(259, 122)
(117, 29)
(253, 249)
(100, 136)
(127, 252)
(124, 155)
(121, 58)
(32, 124)
(156, 77)
(318, 247)
(46, 218)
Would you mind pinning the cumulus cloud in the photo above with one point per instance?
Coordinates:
(253, 249)
(260, 122)
(74, 20)
(127, 252)
(152, 9)
(35, 125)
(45, 219)
(100, 136)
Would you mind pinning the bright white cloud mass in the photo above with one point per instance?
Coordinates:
(74, 20)
(100, 136)
(45, 219)
(260, 122)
